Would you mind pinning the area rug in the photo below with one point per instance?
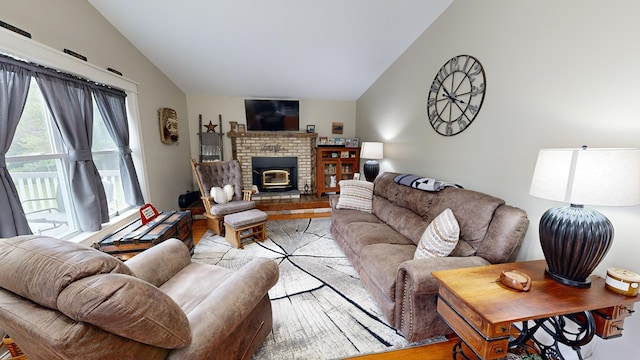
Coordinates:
(320, 308)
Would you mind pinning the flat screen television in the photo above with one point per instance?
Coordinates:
(272, 115)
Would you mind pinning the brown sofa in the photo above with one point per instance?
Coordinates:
(60, 300)
(381, 246)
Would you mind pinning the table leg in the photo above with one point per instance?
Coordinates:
(458, 350)
(573, 330)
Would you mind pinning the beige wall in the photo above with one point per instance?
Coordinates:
(76, 25)
(559, 74)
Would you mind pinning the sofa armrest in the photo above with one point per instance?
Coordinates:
(504, 235)
(161, 262)
(416, 274)
(333, 200)
(227, 306)
(415, 295)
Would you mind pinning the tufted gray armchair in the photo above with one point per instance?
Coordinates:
(221, 173)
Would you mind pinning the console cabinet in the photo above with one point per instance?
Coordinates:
(335, 164)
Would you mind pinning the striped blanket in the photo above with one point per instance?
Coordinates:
(423, 183)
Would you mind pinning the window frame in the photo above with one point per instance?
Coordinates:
(28, 49)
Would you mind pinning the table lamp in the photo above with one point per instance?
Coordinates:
(372, 151)
(575, 239)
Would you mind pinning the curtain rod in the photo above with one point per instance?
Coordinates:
(41, 69)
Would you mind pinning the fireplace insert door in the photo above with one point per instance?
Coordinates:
(275, 173)
(276, 179)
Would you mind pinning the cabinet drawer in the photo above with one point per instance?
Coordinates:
(487, 329)
(486, 348)
(610, 321)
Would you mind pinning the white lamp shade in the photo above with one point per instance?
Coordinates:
(585, 176)
(371, 150)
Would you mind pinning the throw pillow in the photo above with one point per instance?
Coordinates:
(440, 237)
(219, 195)
(355, 195)
(228, 189)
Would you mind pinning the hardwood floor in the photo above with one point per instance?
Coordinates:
(439, 351)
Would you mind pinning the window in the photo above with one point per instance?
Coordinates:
(39, 155)
(38, 165)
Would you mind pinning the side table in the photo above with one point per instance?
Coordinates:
(484, 313)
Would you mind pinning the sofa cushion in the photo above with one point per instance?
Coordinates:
(232, 207)
(440, 237)
(463, 249)
(381, 263)
(129, 307)
(355, 195)
(361, 234)
(40, 267)
(403, 207)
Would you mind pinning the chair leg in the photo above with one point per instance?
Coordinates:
(261, 232)
(216, 225)
(233, 236)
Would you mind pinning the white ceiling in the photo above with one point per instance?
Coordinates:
(302, 49)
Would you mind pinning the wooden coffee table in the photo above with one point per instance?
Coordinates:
(491, 318)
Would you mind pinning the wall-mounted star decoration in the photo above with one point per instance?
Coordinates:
(210, 127)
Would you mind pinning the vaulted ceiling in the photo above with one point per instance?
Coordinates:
(303, 49)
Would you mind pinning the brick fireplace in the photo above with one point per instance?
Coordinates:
(277, 144)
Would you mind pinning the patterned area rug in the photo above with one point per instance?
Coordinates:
(320, 308)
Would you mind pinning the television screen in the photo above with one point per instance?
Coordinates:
(272, 115)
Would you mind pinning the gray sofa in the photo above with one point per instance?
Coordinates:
(60, 300)
(381, 246)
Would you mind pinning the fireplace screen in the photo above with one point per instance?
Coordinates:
(276, 179)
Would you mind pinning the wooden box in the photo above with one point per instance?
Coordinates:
(135, 237)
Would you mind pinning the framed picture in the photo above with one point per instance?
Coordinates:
(168, 125)
(311, 128)
(355, 142)
(234, 126)
(344, 154)
(347, 143)
(337, 128)
(339, 141)
(356, 176)
(331, 141)
(242, 128)
(322, 140)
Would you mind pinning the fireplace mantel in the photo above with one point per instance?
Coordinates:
(302, 145)
(273, 134)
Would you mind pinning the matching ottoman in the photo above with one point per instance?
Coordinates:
(245, 224)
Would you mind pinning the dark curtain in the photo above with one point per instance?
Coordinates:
(114, 112)
(14, 87)
(71, 106)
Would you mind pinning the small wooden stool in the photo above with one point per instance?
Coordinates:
(251, 222)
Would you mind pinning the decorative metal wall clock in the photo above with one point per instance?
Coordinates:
(456, 95)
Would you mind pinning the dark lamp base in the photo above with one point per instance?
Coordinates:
(574, 241)
(371, 169)
(569, 282)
